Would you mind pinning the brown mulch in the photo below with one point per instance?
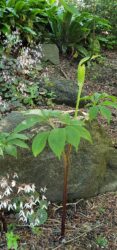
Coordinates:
(87, 222)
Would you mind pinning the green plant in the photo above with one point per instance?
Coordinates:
(64, 132)
(10, 141)
(30, 205)
(102, 241)
(12, 240)
(99, 103)
(74, 29)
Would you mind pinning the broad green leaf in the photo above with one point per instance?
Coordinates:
(26, 124)
(19, 6)
(81, 75)
(72, 136)
(39, 142)
(18, 143)
(105, 112)
(69, 7)
(93, 112)
(56, 141)
(11, 150)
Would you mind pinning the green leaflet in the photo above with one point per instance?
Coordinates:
(18, 143)
(39, 142)
(17, 136)
(11, 150)
(56, 141)
(26, 124)
(105, 112)
(109, 103)
(84, 133)
(72, 136)
(93, 112)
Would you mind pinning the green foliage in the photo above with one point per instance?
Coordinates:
(102, 241)
(108, 10)
(25, 16)
(100, 103)
(10, 141)
(72, 28)
(12, 240)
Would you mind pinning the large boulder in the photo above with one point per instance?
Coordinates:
(88, 170)
(64, 91)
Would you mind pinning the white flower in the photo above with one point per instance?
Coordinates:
(15, 175)
(43, 189)
(13, 183)
(21, 205)
(7, 191)
(43, 197)
(20, 189)
(4, 183)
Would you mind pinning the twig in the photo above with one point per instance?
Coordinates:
(64, 74)
(68, 204)
(81, 235)
(75, 238)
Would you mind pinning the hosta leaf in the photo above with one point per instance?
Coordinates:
(105, 112)
(18, 143)
(39, 142)
(11, 150)
(93, 111)
(72, 136)
(56, 141)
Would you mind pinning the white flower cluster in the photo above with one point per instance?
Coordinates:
(29, 58)
(23, 198)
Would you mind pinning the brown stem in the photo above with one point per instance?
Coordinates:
(66, 158)
(2, 219)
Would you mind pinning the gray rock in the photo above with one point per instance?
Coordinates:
(86, 174)
(50, 52)
(65, 91)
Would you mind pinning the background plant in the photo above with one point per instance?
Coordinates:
(65, 23)
(23, 199)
